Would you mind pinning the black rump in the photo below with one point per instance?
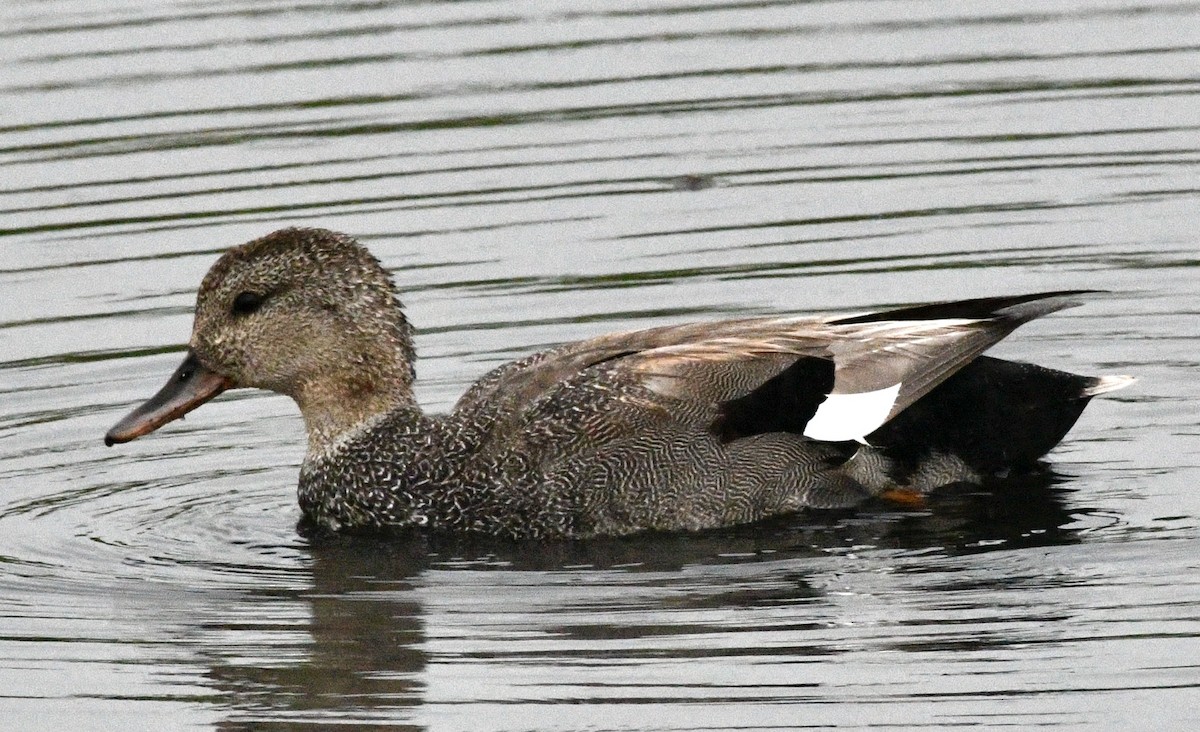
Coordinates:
(996, 415)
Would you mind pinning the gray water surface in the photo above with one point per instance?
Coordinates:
(535, 173)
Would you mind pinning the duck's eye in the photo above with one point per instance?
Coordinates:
(246, 303)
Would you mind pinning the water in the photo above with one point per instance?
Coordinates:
(542, 172)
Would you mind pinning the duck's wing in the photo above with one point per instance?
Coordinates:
(513, 386)
(912, 350)
(832, 378)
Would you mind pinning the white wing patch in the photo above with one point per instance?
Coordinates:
(844, 417)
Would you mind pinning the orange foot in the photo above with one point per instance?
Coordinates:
(905, 497)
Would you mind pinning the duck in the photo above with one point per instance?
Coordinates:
(680, 428)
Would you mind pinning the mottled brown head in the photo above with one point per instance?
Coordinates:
(304, 312)
(298, 306)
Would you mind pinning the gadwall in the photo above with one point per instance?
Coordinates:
(684, 427)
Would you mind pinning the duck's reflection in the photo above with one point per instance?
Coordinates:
(381, 612)
(359, 657)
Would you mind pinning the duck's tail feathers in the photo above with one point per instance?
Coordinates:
(1105, 384)
(994, 415)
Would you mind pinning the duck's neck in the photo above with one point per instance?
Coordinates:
(335, 409)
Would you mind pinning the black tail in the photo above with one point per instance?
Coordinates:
(995, 415)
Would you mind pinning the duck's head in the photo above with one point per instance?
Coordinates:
(304, 312)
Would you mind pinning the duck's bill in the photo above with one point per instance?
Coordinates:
(190, 386)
